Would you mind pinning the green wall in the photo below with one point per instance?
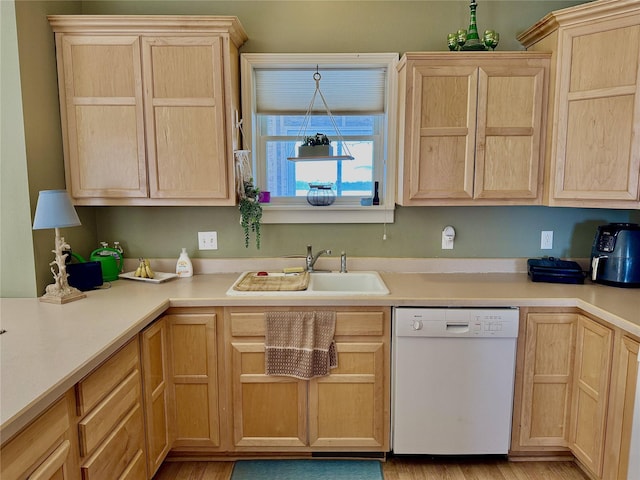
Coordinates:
(42, 135)
(17, 268)
(351, 25)
(481, 232)
(286, 26)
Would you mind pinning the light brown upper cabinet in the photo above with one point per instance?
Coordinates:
(147, 106)
(593, 141)
(471, 128)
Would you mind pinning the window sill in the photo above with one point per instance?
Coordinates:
(329, 214)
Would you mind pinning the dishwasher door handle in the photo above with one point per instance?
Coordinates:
(457, 327)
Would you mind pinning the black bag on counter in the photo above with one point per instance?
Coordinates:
(553, 270)
(85, 276)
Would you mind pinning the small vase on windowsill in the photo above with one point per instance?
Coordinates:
(320, 195)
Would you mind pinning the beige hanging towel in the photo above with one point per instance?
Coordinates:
(300, 344)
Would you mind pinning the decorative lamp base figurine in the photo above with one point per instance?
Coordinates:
(60, 291)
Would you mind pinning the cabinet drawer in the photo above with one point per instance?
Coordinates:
(106, 377)
(29, 448)
(360, 323)
(251, 324)
(95, 426)
(116, 454)
(136, 469)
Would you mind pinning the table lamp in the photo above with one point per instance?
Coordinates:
(54, 210)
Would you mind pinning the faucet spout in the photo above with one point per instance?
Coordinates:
(312, 259)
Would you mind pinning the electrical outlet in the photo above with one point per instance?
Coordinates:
(207, 240)
(448, 234)
(546, 240)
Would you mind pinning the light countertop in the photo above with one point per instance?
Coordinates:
(48, 348)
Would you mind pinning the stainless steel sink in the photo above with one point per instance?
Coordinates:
(327, 284)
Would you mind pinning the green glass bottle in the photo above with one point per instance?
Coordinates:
(473, 39)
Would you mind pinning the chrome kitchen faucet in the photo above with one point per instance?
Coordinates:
(311, 258)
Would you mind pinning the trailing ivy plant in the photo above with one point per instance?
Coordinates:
(250, 213)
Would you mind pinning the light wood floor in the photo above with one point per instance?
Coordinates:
(405, 469)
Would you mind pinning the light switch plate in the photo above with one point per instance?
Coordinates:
(207, 240)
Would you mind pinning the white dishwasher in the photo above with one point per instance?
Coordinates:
(453, 376)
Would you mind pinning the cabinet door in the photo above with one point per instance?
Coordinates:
(268, 411)
(508, 141)
(590, 392)
(185, 117)
(440, 142)
(46, 449)
(346, 409)
(547, 377)
(102, 116)
(598, 137)
(620, 416)
(155, 377)
(349, 408)
(194, 379)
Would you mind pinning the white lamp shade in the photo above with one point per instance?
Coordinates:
(54, 210)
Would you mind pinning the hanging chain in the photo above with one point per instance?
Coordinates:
(303, 128)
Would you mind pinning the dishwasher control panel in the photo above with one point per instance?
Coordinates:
(456, 322)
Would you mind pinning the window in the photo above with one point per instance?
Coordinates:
(360, 93)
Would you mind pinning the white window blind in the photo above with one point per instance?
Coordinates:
(346, 91)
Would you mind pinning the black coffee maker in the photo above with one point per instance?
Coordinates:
(615, 255)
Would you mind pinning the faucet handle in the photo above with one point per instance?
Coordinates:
(343, 262)
(309, 259)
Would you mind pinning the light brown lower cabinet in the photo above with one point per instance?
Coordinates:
(590, 394)
(179, 361)
(621, 405)
(46, 449)
(95, 432)
(575, 391)
(193, 382)
(110, 419)
(547, 366)
(155, 377)
(347, 410)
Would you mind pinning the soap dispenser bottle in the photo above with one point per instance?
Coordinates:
(184, 267)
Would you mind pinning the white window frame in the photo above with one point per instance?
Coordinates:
(336, 213)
